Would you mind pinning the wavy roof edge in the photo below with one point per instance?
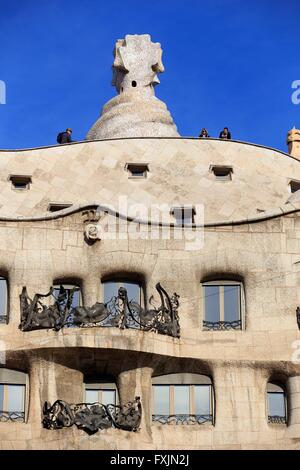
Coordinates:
(87, 142)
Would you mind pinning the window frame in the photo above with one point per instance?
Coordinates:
(276, 419)
(141, 168)
(4, 318)
(9, 377)
(120, 283)
(25, 180)
(176, 380)
(222, 324)
(101, 385)
(181, 221)
(226, 169)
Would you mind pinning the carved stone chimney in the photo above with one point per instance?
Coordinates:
(135, 112)
(293, 142)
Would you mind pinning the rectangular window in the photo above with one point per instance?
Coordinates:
(106, 394)
(222, 306)
(137, 170)
(276, 404)
(185, 404)
(20, 182)
(3, 300)
(222, 173)
(57, 206)
(183, 215)
(1, 397)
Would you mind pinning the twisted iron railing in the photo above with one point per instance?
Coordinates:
(182, 419)
(92, 417)
(276, 419)
(3, 318)
(119, 312)
(18, 416)
(222, 325)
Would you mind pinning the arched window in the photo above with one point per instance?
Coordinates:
(134, 290)
(12, 395)
(276, 403)
(3, 300)
(223, 304)
(182, 399)
(101, 390)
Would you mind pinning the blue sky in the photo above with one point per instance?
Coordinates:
(227, 63)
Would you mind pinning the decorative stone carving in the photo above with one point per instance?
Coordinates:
(119, 312)
(135, 112)
(92, 417)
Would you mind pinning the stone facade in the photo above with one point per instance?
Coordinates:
(259, 248)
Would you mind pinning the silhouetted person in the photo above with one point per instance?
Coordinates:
(203, 133)
(65, 137)
(225, 134)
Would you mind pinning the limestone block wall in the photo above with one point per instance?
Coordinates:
(179, 173)
(263, 254)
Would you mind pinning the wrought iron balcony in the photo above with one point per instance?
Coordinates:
(3, 319)
(182, 419)
(92, 417)
(119, 312)
(298, 317)
(18, 416)
(222, 325)
(276, 419)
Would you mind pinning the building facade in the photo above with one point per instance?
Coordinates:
(149, 283)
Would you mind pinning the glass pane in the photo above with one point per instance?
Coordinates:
(1, 397)
(91, 396)
(276, 404)
(212, 303)
(3, 296)
(108, 397)
(76, 296)
(181, 399)
(110, 290)
(133, 291)
(161, 405)
(231, 303)
(202, 399)
(15, 398)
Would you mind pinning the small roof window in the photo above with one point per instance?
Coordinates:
(20, 182)
(294, 186)
(58, 206)
(137, 170)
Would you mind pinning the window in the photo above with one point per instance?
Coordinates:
(222, 173)
(134, 290)
(3, 300)
(76, 301)
(57, 206)
(20, 182)
(294, 186)
(222, 305)
(102, 390)
(182, 399)
(137, 170)
(184, 215)
(277, 409)
(12, 395)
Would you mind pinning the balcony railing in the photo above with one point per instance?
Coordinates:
(276, 419)
(222, 325)
(18, 416)
(92, 417)
(3, 319)
(183, 419)
(119, 312)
